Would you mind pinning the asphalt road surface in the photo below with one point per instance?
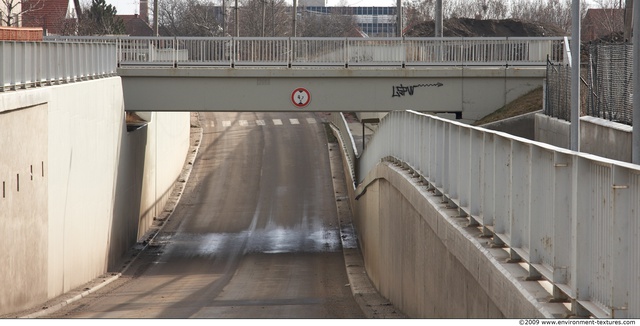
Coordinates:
(255, 234)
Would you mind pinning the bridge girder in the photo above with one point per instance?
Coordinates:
(471, 91)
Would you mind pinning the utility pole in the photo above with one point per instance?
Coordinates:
(635, 147)
(575, 76)
(628, 18)
(155, 17)
(224, 20)
(236, 21)
(264, 15)
(399, 18)
(439, 18)
(295, 15)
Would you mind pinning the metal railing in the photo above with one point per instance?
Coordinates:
(573, 218)
(346, 139)
(342, 52)
(32, 64)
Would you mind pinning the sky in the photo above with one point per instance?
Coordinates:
(129, 7)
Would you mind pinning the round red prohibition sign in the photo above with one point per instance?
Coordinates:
(300, 97)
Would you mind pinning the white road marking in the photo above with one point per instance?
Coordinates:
(277, 122)
(294, 121)
(244, 123)
(311, 120)
(226, 123)
(260, 122)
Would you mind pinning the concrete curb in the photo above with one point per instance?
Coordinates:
(372, 304)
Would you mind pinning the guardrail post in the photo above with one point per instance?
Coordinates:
(563, 196)
(520, 197)
(502, 190)
(621, 214)
(581, 217)
(3, 51)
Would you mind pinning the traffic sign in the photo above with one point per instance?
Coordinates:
(300, 97)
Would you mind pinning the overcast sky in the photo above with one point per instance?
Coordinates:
(128, 7)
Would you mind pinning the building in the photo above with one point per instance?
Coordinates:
(51, 15)
(598, 23)
(138, 24)
(372, 21)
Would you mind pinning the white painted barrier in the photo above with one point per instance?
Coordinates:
(573, 218)
(33, 64)
(323, 51)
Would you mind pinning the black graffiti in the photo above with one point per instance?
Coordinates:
(399, 91)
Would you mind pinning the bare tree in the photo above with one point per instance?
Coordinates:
(611, 16)
(264, 18)
(190, 17)
(416, 11)
(11, 10)
(332, 24)
(551, 12)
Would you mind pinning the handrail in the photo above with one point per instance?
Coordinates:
(33, 64)
(573, 218)
(323, 51)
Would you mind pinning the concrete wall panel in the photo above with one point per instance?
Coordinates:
(597, 136)
(431, 264)
(95, 191)
(23, 206)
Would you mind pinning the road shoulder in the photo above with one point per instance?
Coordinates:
(372, 303)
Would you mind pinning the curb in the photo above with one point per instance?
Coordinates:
(372, 304)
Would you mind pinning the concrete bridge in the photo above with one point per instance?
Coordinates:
(469, 77)
(507, 227)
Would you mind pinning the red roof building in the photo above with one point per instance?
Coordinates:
(136, 25)
(598, 23)
(51, 15)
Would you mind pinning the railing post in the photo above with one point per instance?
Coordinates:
(346, 52)
(563, 197)
(619, 260)
(3, 52)
(580, 218)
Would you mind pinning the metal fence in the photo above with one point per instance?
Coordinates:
(573, 218)
(32, 64)
(345, 52)
(346, 139)
(606, 85)
(610, 82)
(557, 100)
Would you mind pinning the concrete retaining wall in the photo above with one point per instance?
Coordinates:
(606, 138)
(521, 126)
(429, 263)
(597, 136)
(88, 189)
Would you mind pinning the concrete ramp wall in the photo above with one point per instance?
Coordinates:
(430, 263)
(78, 190)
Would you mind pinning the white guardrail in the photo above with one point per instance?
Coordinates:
(573, 217)
(318, 51)
(31, 64)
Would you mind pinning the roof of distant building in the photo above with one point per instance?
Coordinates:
(601, 22)
(50, 15)
(136, 26)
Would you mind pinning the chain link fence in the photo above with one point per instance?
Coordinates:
(557, 101)
(610, 84)
(606, 85)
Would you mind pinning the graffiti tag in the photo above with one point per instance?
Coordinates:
(401, 90)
